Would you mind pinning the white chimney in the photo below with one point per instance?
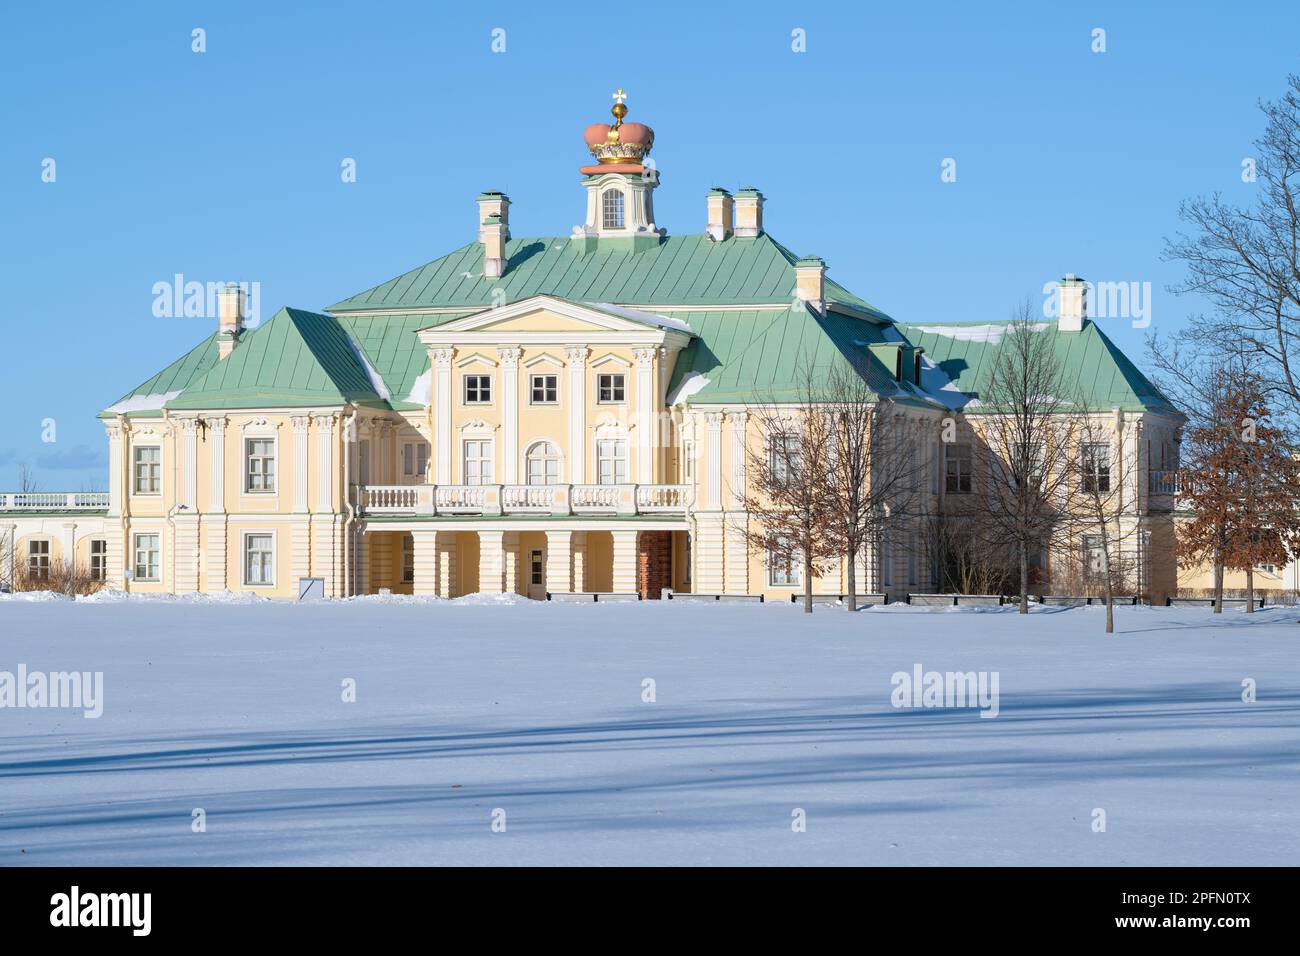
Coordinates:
(493, 231)
(720, 214)
(231, 312)
(810, 282)
(1072, 304)
(749, 213)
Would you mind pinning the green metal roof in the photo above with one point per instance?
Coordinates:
(680, 270)
(763, 355)
(149, 397)
(966, 352)
(394, 349)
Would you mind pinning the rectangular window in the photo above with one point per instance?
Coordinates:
(478, 461)
(146, 557)
(611, 461)
(259, 455)
(478, 389)
(148, 470)
(38, 560)
(913, 544)
(415, 459)
(784, 456)
(537, 568)
(363, 462)
(98, 559)
(259, 559)
(958, 468)
(886, 561)
(611, 388)
(1094, 463)
(408, 559)
(1094, 556)
(783, 568)
(545, 389)
(611, 207)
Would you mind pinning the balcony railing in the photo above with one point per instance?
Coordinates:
(561, 500)
(53, 500)
(1164, 483)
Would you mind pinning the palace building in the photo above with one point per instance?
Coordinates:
(564, 413)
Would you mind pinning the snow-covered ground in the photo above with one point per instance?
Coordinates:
(464, 708)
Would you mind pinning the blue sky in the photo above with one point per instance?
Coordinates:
(226, 164)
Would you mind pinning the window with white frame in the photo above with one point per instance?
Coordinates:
(959, 468)
(147, 552)
(98, 559)
(611, 461)
(148, 469)
(611, 388)
(478, 390)
(783, 567)
(1094, 463)
(259, 558)
(784, 456)
(1093, 554)
(363, 461)
(611, 204)
(408, 559)
(38, 559)
(544, 389)
(478, 459)
(415, 459)
(259, 465)
(542, 464)
(687, 464)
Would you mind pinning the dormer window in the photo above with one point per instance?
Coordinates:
(611, 204)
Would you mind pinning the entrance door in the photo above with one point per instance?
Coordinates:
(537, 575)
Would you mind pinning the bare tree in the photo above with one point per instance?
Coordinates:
(1025, 444)
(26, 480)
(1246, 261)
(876, 470)
(787, 492)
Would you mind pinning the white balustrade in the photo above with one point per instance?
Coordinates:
(525, 499)
(53, 500)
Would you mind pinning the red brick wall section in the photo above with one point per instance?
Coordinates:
(654, 563)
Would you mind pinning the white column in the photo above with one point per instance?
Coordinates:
(491, 561)
(624, 561)
(736, 547)
(325, 462)
(510, 563)
(577, 399)
(217, 439)
(426, 562)
(713, 461)
(509, 451)
(68, 543)
(736, 485)
(442, 415)
(579, 540)
(559, 566)
(708, 553)
(646, 440)
(189, 453)
(115, 487)
(301, 424)
(447, 578)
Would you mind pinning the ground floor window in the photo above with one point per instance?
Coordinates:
(408, 559)
(147, 550)
(1094, 556)
(98, 559)
(259, 559)
(38, 560)
(783, 567)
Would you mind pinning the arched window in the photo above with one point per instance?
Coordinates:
(611, 203)
(543, 464)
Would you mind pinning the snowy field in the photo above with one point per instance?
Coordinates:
(464, 708)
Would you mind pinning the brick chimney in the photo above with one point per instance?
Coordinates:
(720, 209)
(1072, 304)
(494, 231)
(810, 282)
(232, 310)
(749, 213)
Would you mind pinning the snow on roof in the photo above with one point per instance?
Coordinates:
(143, 403)
(636, 315)
(990, 333)
(691, 383)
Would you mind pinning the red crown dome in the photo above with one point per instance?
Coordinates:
(620, 148)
